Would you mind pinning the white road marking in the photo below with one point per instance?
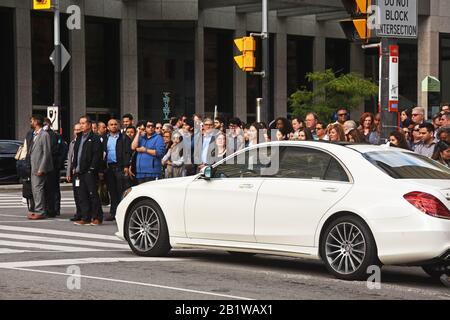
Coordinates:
(66, 241)
(145, 284)
(50, 247)
(60, 233)
(75, 261)
(29, 221)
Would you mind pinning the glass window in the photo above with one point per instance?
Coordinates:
(445, 66)
(250, 164)
(335, 172)
(303, 163)
(299, 63)
(102, 63)
(339, 63)
(8, 148)
(166, 69)
(7, 96)
(403, 165)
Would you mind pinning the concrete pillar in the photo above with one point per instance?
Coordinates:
(77, 65)
(24, 89)
(280, 71)
(200, 67)
(428, 63)
(240, 77)
(319, 59)
(357, 63)
(129, 61)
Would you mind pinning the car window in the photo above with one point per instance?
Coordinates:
(7, 147)
(303, 163)
(336, 172)
(405, 165)
(250, 164)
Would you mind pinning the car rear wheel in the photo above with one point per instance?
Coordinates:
(348, 248)
(146, 230)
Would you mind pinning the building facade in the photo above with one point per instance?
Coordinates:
(129, 54)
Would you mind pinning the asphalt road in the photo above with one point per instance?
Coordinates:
(54, 259)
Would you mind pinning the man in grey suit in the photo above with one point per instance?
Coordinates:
(41, 164)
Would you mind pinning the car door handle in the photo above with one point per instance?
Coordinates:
(330, 189)
(245, 186)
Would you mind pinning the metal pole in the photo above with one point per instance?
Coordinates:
(57, 62)
(388, 119)
(258, 109)
(266, 63)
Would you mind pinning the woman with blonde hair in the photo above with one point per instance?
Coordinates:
(336, 133)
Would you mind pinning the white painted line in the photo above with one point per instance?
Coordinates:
(65, 241)
(144, 284)
(28, 221)
(25, 206)
(67, 262)
(45, 246)
(10, 215)
(60, 233)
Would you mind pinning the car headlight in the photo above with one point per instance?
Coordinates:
(126, 192)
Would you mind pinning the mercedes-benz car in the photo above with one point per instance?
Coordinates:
(351, 206)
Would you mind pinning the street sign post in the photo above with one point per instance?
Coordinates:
(398, 19)
(393, 78)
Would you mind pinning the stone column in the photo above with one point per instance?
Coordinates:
(240, 77)
(428, 54)
(77, 65)
(200, 67)
(280, 71)
(129, 61)
(24, 89)
(357, 63)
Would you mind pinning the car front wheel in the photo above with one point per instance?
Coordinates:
(348, 248)
(146, 230)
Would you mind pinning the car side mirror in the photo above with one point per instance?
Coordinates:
(207, 173)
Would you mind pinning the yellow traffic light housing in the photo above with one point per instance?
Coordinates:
(356, 28)
(246, 61)
(42, 4)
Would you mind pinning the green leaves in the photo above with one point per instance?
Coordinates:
(331, 93)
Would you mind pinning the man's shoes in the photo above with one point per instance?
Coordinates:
(82, 223)
(96, 222)
(38, 217)
(30, 216)
(111, 218)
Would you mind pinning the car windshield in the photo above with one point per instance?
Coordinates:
(403, 165)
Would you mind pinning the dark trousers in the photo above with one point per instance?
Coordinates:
(52, 193)
(76, 197)
(90, 205)
(115, 181)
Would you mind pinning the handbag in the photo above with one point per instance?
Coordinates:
(21, 153)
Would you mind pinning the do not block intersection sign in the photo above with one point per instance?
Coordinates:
(398, 18)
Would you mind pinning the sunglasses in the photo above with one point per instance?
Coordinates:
(342, 115)
(158, 127)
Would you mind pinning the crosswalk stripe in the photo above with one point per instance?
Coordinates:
(47, 246)
(65, 241)
(66, 262)
(60, 233)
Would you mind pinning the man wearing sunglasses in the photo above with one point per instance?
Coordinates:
(150, 150)
(418, 115)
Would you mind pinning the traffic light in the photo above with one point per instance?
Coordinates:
(42, 4)
(356, 28)
(246, 61)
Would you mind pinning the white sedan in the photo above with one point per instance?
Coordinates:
(352, 206)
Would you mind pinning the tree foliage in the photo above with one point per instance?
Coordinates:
(331, 92)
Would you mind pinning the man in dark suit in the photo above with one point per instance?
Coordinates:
(87, 156)
(117, 148)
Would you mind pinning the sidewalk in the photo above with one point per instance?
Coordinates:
(17, 187)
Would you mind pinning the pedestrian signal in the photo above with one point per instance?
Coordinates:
(356, 28)
(246, 61)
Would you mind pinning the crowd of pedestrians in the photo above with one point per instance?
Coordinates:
(105, 159)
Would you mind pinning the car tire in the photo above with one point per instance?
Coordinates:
(437, 270)
(348, 248)
(146, 230)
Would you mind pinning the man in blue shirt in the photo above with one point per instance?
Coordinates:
(150, 150)
(117, 148)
